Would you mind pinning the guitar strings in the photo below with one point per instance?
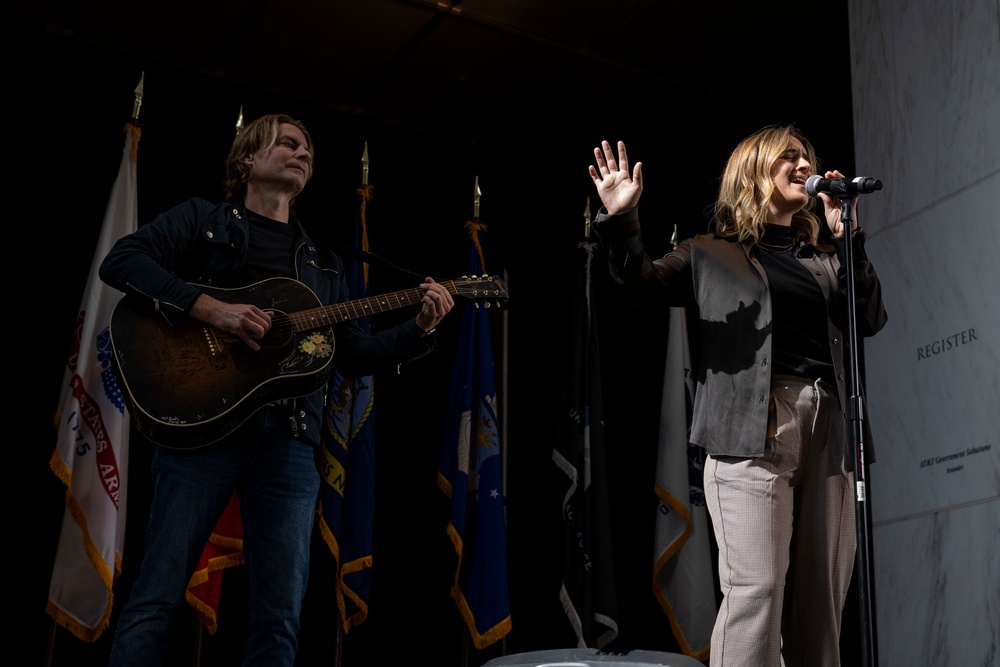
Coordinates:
(283, 325)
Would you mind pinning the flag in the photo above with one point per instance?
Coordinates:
(471, 474)
(91, 452)
(587, 593)
(346, 505)
(682, 568)
(224, 550)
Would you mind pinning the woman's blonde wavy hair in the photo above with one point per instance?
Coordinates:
(258, 135)
(746, 186)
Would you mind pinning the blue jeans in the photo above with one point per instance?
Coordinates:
(278, 483)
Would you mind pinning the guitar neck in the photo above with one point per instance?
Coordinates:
(360, 308)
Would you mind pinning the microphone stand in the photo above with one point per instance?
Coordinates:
(855, 413)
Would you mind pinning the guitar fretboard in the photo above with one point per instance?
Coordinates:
(360, 308)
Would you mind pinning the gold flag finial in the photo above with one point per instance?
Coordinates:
(138, 98)
(586, 221)
(364, 166)
(239, 121)
(475, 199)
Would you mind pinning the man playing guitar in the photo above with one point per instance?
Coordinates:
(268, 456)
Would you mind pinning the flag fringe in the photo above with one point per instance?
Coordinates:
(136, 133)
(215, 564)
(226, 542)
(479, 640)
(343, 590)
(681, 509)
(365, 192)
(327, 533)
(572, 615)
(445, 485)
(79, 630)
(68, 622)
(609, 636)
(357, 565)
(568, 469)
(359, 616)
(698, 654)
(456, 541)
(473, 227)
(206, 612)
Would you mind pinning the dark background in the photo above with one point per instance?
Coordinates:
(509, 93)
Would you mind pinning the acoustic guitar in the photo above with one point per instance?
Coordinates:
(188, 386)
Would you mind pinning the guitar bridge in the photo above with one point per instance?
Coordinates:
(216, 348)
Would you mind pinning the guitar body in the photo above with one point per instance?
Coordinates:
(189, 386)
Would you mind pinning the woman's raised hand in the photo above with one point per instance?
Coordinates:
(619, 191)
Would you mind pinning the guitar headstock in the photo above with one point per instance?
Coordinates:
(489, 288)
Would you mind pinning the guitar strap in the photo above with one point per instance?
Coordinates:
(372, 259)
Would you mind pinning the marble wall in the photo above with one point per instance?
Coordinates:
(926, 94)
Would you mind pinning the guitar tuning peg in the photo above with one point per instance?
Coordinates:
(476, 304)
(487, 304)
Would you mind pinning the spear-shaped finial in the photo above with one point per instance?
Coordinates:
(673, 237)
(476, 195)
(586, 221)
(364, 166)
(138, 98)
(239, 121)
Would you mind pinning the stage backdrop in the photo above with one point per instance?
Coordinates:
(926, 94)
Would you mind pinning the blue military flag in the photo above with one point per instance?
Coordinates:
(471, 474)
(347, 460)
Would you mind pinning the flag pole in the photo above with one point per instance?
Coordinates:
(138, 98)
(477, 194)
(339, 633)
(504, 412)
(364, 166)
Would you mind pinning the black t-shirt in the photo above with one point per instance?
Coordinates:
(798, 341)
(271, 251)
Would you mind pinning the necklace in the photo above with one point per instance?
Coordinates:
(785, 247)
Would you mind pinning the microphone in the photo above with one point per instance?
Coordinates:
(860, 185)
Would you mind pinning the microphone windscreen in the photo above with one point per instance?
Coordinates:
(815, 183)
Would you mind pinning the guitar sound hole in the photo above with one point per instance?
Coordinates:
(280, 333)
